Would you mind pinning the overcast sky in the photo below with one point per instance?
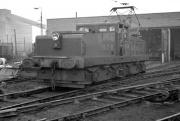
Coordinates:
(68, 8)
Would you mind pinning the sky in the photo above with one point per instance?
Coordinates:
(68, 8)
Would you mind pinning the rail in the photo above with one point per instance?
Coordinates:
(117, 98)
(174, 117)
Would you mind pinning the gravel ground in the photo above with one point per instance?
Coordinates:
(144, 111)
(138, 112)
(22, 86)
(152, 66)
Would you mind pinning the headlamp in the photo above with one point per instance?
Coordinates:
(55, 36)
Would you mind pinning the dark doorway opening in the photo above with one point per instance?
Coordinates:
(153, 42)
(175, 44)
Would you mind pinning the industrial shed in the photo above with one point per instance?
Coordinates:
(15, 34)
(162, 34)
(160, 30)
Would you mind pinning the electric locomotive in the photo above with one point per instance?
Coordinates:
(92, 54)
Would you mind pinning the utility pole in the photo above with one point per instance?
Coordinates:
(15, 42)
(24, 44)
(7, 38)
(41, 23)
(41, 19)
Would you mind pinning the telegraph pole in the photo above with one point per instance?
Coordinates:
(41, 23)
(24, 44)
(15, 42)
(40, 19)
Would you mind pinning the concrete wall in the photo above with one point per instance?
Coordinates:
(23, 38)
(10, 29)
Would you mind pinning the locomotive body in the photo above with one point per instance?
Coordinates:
(93, 53)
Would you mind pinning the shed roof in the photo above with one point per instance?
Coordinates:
(7, 14)
(167, 19)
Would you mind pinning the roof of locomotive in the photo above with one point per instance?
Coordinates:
(61, 32)
(66, 34)
(102, 23)
(70, 32)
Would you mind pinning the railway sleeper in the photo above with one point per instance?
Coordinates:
(131, 95)
(141, 92)
(116, 98)
(104, 100)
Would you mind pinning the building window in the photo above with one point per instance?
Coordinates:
(84, 29)
(102, 29)
(111, 28)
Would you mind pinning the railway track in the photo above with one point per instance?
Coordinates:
(119, 98)
(48, 100)
(42, 100)
(62, 95)
(110, 98)
(25, 93)
(106, 85)
(29, 94)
